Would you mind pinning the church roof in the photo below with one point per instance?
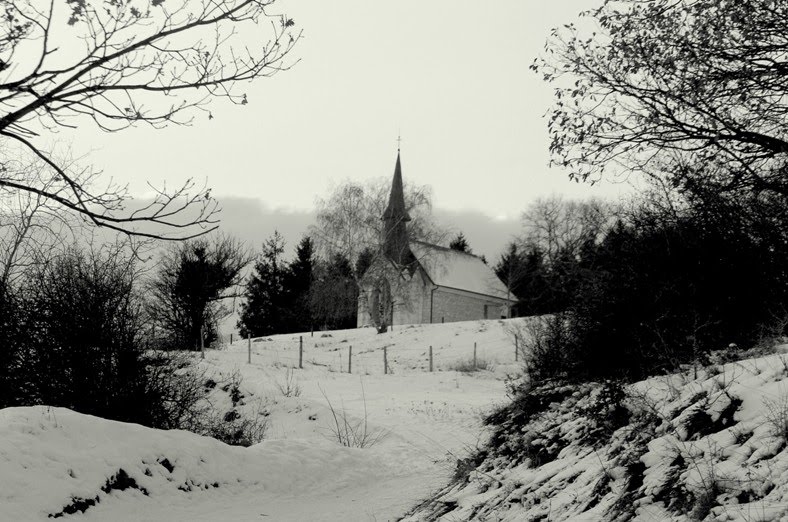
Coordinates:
(459, 270)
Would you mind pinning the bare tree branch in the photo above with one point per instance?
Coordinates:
(124, 63)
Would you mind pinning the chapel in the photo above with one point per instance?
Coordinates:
(413, 282)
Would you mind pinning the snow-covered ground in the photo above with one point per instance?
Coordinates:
(54, 462)
(709, 444)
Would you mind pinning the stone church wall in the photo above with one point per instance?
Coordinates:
(449, 306)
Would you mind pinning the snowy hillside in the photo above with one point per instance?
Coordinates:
(709, 444)
(407, 348)
(57, 463)
(705, 446)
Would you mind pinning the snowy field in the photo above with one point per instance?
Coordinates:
(57, 463)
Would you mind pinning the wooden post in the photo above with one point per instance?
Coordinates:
(442, 320)
(516, 348)
(300, 352)
(474, 357)
(202, 342)
(350, 359)
(385, 362)
(249, 350)
(430, 358)
(231, 338)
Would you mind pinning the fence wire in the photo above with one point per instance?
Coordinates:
(378, 356)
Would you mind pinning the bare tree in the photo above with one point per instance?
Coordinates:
(349, 221)
(559, 227)
(694, 91)
(31, 226)
(123, 63)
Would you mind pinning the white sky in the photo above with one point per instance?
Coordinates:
(451, 75)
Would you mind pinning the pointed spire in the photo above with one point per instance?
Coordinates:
(396, 207)
(395, 233)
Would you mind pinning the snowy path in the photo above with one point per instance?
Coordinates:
(49, 457)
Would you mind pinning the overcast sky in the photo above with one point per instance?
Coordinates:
(450, 76)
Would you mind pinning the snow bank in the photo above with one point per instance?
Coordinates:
(52, 459)
(55, 462)
(704, 445)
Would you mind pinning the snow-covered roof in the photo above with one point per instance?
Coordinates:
(458, 270)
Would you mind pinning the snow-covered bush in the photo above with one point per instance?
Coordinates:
(232, 428)
(776, 414)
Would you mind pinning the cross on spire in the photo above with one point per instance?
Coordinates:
(399, 141)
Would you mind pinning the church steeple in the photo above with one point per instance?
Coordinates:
(396, 207)
(395, 235)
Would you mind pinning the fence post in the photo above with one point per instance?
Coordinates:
(202, 343)
(350, 359)
(474, 357)
(249, 349)
(385, 361)
(430, 358)
(300, 352)
(516, 348)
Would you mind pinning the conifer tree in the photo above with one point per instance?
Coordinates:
(334, 294)
(265, 310)
(460, 244)
(298, 281)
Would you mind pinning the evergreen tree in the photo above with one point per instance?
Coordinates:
(364, 261)
(193, 278)
(265, 311)
(297, 282)
(460, 244)
(527, 277)
(510, 269)
(334, 294)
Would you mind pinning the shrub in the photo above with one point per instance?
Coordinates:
(74, 338)
(470, 366)
(549, 348)
(350, 432)
(83, 345)
(289, 387)
(665, 289)
(231, 428)
(776, 415)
